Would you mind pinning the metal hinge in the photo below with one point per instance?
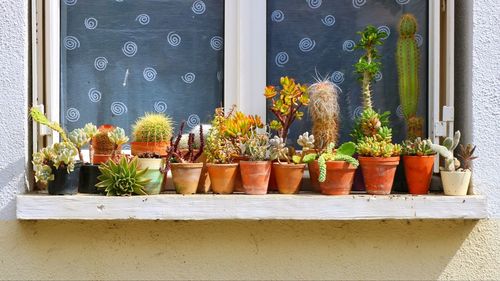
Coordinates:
(441, 127)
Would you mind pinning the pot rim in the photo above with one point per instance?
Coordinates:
(289, 165)
(187, 165)
(457, 172)
(149, 142)
(419, 156)
(257, 162)
(378, 159)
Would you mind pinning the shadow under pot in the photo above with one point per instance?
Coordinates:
(288, 177)
(255, 176)
(186, 176)
(153, 187)
(339, 178)
(65, 183)
(88, 179)
(378, 174)
(222, 177)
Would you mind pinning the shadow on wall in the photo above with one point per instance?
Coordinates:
(11, 182)
(232, 250)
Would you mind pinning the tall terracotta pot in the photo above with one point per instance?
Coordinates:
(379, 173)
(339, 178)
(313, 175)
(138, 148)
(255, 176)
(186, 176)
(222, 177)
(418, 170)
(288, 177)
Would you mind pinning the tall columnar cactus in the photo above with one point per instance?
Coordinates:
(408, 57)
(446, 150)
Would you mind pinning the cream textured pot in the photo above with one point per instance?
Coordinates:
(456, 183)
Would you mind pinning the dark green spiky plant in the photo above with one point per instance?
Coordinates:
(122, 178)
(407, 58)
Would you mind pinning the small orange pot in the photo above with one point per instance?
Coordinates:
(313, 175)
(255, 176)
(288, 177)
(222, 177)
(418, 170)
(238, 185)
(273, 185)
(100, 158)
(159, 148)
(379, 173)
(186, 176)
(339, 178)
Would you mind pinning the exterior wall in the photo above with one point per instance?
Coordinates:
(248, 250)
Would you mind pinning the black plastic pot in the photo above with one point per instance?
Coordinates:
(65, 183)
(88, 179)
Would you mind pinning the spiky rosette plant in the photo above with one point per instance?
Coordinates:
(118, 138)
(343, 153)
(324, 111)
(153, 127)
(408, 58)
(79, 138)
(122, 178)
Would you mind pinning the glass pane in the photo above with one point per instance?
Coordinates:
(309, 36)
(120, 59)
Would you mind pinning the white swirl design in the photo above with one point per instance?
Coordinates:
(378, 76)
(118, 108)
(402, 2)
(188, 78)
(71, 43)
(385, 29)
(129, 49)
(142, 19)
(125, 146)
(358, 111)
(94, 95)
(198, 7)
(193, 121)
(314, 4)
(348, 45)
(399, 112)
(420, 40)
(70, 2)
(307, 44)
(281, 59)
(90, 23)
(219, 76)
(100, 63)
(174, 39)
(358, 3)
(217, 43)
(160, 106)
(149, 74)
(328, 20)
(277, 16)
(338, 77)
(72, 114)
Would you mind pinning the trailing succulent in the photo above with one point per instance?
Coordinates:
(446, 150)
(122, 178)
(343, 153)
(279, 151)
(153, 127)
(418, 147)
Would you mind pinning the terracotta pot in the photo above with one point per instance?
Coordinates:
(238, 185)
(159, 148)
(222, 177)
(288, 177)
(186, 176)
(273, 185)
(456, 183)
(204, 183)
(313, 175)
(100, 158)
(153, 187)
(418, 171)
(379, 173)
(255, 176)
(339, 178)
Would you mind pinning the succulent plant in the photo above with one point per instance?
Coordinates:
(291, 97)
(370, 124)
(372, 147)
(219, 148)
(101, 144)
(79, 138)
(118, 138)
(153, 127)
(183, 144)
(466, 156)
(278, 150)
(58, 156)
(343, 153)
(418, 147)
(257, 146)
(446, 150)
(91, 131)
(39, 117)
(306, 141)
(122, 178)
(238, 126)
(175, 155)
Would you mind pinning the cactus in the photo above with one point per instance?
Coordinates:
(118, 138)
(183, 144)
(153, 127)
(446, 150)
(174, 154)
(343, 153)
(101, 143)
(371, 123)
(324, 111)
(408, 58)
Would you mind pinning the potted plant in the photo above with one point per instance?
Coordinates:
(256, 171)
(185, 169)
(102, 147)
(122, 178)
(151, 133)
(418, 162)
(118, 138)
(289, 174)
(204, 183)
(153, 163)
(455, 179)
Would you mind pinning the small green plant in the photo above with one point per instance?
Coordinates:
(466, 156)
(418, 147)
(58, 156)
(286, 107)
(118, 138)
(219, 148)
(371, 124)
(343, 153)
(257, 147)
(122, 178)
(446, 150)
(372, 147)
(153, 127)
(279, 151)
(79, 138)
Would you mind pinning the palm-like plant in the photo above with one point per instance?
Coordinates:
(122, 178)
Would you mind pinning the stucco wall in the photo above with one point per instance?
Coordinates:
(248, 250)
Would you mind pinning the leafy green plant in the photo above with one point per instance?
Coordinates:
(122, 178)
(58, 156)
(418, 147)
(446, 150)
(343, 153)
(286, 107)
(153, 127)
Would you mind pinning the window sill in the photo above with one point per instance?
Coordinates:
(245, 207)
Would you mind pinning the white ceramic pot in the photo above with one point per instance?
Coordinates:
(153, 165)
(456, 183)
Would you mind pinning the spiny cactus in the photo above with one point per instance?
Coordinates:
(122, 178)
(101, 143)
(343, 153)
(324, 111)
(118, 138)
(446, 150)
(153, 127)
(408, 58)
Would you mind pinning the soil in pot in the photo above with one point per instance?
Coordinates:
(138, 148)
(456, 183)
(88, 179)
(418, 170)
(378, 174)
(339, 178)
(186, 176)
(288, 177)
(313, 175)
(255, 176)
(222, 177)
(153, 187)
(65, 183)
